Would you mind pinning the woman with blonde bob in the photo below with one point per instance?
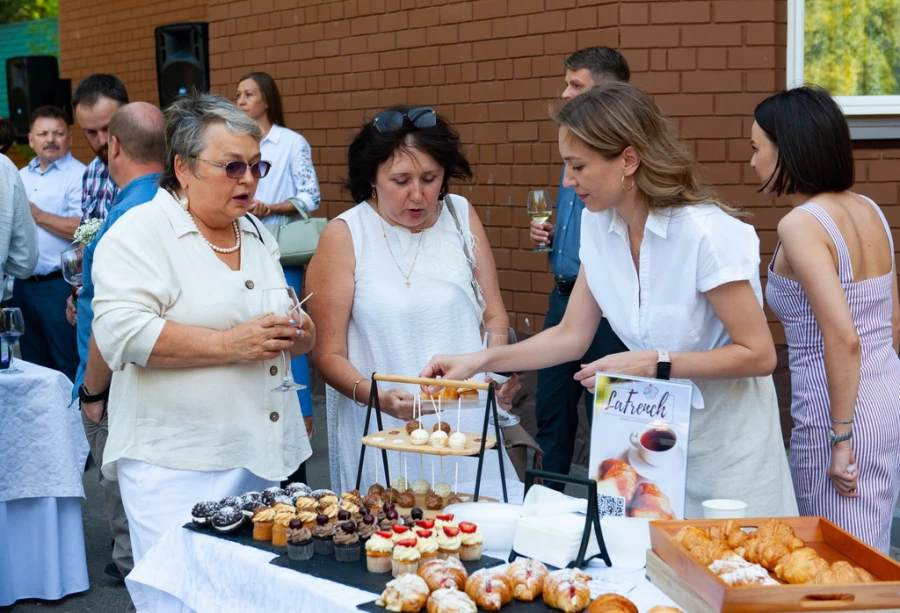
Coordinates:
(677, 275)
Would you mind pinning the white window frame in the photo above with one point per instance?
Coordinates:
(853, 106)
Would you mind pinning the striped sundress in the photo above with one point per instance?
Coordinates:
(876, 421)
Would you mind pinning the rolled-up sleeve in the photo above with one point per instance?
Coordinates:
(132, 288)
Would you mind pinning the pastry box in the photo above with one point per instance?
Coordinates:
(697, 589)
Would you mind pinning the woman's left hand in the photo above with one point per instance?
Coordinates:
(306, 341)
(842, 470)
(260, 209)
(507, 392)
(635, 363)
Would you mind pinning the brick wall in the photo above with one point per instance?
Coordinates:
(491, 66)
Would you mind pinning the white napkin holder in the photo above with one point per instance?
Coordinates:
(553, 539)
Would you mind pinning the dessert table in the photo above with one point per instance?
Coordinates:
(42, 551)
(199, 572)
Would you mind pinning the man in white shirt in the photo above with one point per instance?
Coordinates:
(18, 234)
(53, 187)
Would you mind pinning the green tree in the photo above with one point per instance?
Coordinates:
(852, 47)
(27, 10)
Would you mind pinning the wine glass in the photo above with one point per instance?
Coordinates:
(71, 259)
(497, 337)
(283, 301)
(540, 208)
(12, 326)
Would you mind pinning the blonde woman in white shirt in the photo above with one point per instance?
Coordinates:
(677, 275)
(178, 318)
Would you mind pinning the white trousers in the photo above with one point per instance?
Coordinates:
(157, 499)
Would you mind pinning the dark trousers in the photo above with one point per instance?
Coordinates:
(49, 339)
(558, 393)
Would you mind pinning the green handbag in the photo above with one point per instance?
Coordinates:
(297, 240)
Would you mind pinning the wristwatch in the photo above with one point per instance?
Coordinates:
(839, 438)
(663, 364)
(86, 398)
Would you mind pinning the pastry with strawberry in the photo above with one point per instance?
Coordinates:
(472, 542)
(427, 546)
(449, 541)
(405, 558)
(378, 552)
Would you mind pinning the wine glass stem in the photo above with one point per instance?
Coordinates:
(287, 378)
(12, 352)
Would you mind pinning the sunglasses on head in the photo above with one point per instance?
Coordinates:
(235, 169)
(391, 121)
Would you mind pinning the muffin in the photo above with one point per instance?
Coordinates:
(263, 520)
(366, 527)
(449, 541)
(227, 520)
(323, 536)
(202, 512)
(299, 541)
(427, 546)
(378, 552)
(406, 499)
(472, 542)
(405, 557)
(346, 543)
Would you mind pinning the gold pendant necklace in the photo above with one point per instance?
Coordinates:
(391, 251)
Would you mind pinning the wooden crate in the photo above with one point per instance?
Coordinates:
(678, 574)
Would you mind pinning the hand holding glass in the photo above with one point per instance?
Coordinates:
(283, 301)
(540, 208)
(498, 337)
(71, 260)
(12, 326)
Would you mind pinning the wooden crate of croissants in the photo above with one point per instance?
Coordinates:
(769, 565)
(444, 586)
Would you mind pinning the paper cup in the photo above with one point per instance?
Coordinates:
(724, 509)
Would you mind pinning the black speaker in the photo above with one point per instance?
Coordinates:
(182, 60)
(31, 82)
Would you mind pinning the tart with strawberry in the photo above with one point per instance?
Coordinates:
(449, 541)
(472, 542)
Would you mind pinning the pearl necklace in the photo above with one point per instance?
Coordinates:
(216, 248)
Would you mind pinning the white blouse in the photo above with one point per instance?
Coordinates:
(686, 251)
(154, 266)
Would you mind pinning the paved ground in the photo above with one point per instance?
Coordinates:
(109, 596)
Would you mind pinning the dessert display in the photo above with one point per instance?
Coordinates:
(406, 499)
(346, 543)
(376, 489)
(489, 589)
(567, 590)
(406, 594)
(405, 557)
(442, 489)
(227, 519)
(390, 495)
(449, 573)
(263, 520)
(526, 576)
(399, 484)
(419, 436)
(439, 439)
(445, 600)
(420, 487)
(323, 536)
(203, 512)
(299, 541)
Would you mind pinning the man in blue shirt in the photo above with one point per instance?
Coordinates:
(136, 149)
(557, 390)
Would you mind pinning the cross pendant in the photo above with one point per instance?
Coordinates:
(407, 284)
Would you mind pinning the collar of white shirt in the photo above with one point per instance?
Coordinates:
(184, 224)
(657, 223)
(35, 164)
(274, 134)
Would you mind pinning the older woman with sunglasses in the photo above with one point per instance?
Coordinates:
(404, 272)
(179, 318)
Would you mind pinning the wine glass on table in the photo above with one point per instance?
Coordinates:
(496, 337)
(12, 326)
(283, 301)
(540, 208)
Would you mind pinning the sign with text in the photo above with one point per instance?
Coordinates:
(639, 445)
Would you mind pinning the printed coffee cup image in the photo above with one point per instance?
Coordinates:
(654, 444)
(724, 509)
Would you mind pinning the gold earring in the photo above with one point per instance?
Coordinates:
(627, 189)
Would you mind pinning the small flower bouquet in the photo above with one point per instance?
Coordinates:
(87, 231)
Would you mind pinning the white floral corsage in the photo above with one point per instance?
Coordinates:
(87, 231)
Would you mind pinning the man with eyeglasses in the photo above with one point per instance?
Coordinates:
(136, 147)
(557, 391)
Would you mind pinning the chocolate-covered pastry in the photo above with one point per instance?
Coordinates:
(203, 512)
(227, 519)
(411, 426)
(376, 488)
(269, 495)
(232, 501)
(406, 499)
(442, 426)
(434, 502)
(453, 499)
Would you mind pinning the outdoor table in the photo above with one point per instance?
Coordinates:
(41, 464)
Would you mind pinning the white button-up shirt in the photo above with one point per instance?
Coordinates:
(55, 190)
(154, 266)
(292, 174)
(18, 233)
(686, 251)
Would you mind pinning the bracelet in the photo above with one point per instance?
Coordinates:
(358, 403)
(843, 423)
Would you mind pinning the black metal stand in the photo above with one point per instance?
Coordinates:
(490, 409)
(592, 519)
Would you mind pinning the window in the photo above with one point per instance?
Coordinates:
(849, 47)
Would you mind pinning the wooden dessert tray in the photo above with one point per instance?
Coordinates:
(430, 514)
(398, 440)
(698, 590)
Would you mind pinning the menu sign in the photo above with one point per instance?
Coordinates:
(639, 444)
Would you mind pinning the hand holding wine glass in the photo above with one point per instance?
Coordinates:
(540, 208)
(71, 259)
(283, 301)
(498, 337)
(12, 326)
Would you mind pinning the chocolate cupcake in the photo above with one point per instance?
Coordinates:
(323, 536)
(391, 518)
(203, 512)
(299, 541)
(442, 426)
(366, 527)
(346, 543)
(227, 520)
(406, 499)
(434, 502)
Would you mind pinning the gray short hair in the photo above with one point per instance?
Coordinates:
(187, 120)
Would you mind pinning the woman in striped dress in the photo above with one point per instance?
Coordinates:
(833, 286)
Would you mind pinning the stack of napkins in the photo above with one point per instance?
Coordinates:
(551, 527)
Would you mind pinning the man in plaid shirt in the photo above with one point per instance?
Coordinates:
(95, 100)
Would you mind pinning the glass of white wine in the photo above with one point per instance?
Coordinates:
(540, 208)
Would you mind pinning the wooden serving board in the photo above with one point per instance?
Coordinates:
(431, 514)
(398, 440)
(696, 588)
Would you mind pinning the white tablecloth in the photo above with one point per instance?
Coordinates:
(41, 463)
(209, 574)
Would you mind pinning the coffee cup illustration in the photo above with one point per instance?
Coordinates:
(654, 444)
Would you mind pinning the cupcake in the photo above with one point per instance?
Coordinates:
(203, 512)
(283, 516)
(405, 557)
(306, 503)
(330, 510)
(263, 520)
(427, 545)
(400, 532)
(433, 502)
(444, 520)
(349, 505)
(378, 552)
(323, 536)
(449, 542)
(308, 518)
(299, 541)
(472, 542)
(366, 527)
(346, 543)
(227, 520)
(391, 519)
(406, 499)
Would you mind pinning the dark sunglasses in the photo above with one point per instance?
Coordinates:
(236, 169)
(391, 121)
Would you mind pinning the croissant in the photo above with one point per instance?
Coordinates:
(449, 573)
(526, 578)
(712, 551)
(567, 590)
(445, 600)
(612, 603)
(730, 532)
(489, 589)
(842, 572)
(650, 502)
(766, 551)
(405, 594)
(664, 610)
(617, 478)
(800, 566)
(691, 536)
(779, 530)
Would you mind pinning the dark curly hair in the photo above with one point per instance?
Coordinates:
(371, 148)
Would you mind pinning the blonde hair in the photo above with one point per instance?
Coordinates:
(612, 116)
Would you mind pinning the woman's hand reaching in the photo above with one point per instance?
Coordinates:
(506, 393)
(635, 363)
(459, 367)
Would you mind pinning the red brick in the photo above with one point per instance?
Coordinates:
(648, 36)
(509, 26)
(682, 59)
(751, 57)
(732, 10)
(711, 150)
(713, 35)
(489, 9)
(711, 81)
(737, 104)
(711, 127)
(635, 13)
(423, 18)
(608, 37)
(679, 12)
(579, 19)
(680, 105)
(523, 7)
(657, 82)
(760, 33)
(489, 50)
(548, 21)
(658, 59)
(525, 47)
(478, 30)
(760, 81)
(712, 59)
(456, 13)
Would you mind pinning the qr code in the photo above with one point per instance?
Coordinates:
(611, 505)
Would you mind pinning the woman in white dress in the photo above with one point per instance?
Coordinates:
(677, 275)
(393, 285)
